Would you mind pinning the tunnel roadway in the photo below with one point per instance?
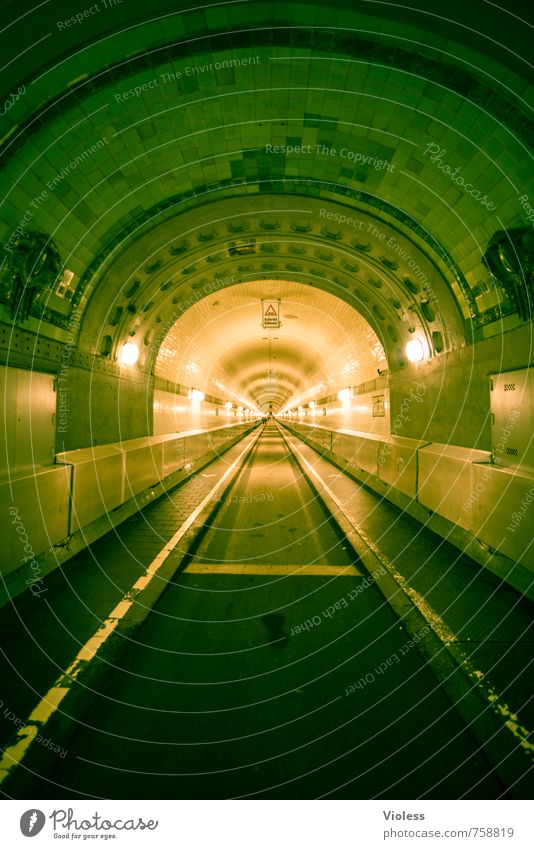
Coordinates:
(270, 667)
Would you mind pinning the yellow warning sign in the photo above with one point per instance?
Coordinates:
(271, 313)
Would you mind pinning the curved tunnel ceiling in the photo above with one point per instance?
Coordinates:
(389, 278)
(172, 157)
(220, 346)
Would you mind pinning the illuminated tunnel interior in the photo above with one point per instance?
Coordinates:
(266, 303)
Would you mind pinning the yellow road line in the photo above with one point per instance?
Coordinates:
(266, 569)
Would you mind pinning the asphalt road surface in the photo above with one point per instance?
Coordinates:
(271, 667)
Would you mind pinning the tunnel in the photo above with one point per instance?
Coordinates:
(266, 309)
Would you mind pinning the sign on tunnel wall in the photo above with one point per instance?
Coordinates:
(270, 313)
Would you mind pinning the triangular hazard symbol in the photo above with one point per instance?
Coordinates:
(270, 310)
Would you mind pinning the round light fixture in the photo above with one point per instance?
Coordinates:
(228, 405)
(129, 354)
(344, 395)
(415, 351)
(196, 395)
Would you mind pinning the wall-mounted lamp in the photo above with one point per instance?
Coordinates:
(344, 395)
(415, 350)
(129, 354)
(196, 395)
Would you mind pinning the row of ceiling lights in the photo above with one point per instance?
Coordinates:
(196, 396)
(129, 354)
(415, 351)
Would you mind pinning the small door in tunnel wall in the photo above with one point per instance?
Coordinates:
(29, 404)
(512, 418)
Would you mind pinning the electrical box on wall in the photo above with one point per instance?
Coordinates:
(512, 418)
(30, 431)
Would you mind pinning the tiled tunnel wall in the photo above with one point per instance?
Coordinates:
(140, 149)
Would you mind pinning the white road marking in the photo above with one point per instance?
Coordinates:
(440, 628)
(13, 754)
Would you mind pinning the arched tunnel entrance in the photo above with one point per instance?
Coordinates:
(267, 346)
(266, 291)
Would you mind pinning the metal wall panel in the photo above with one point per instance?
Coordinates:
(173, 455)
(344, 447)
(494, 504)
(175, 414)
(97, 482)
(143, 463)
(56, 501)
(398, 464)
(321, 438)
(360, 452)
(41, 501)
(196, 447)
(30, 400)
(503, 512)
(367, 454)
(512, 419)
(367, 412)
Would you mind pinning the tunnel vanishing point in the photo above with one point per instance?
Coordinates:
(267, 485)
